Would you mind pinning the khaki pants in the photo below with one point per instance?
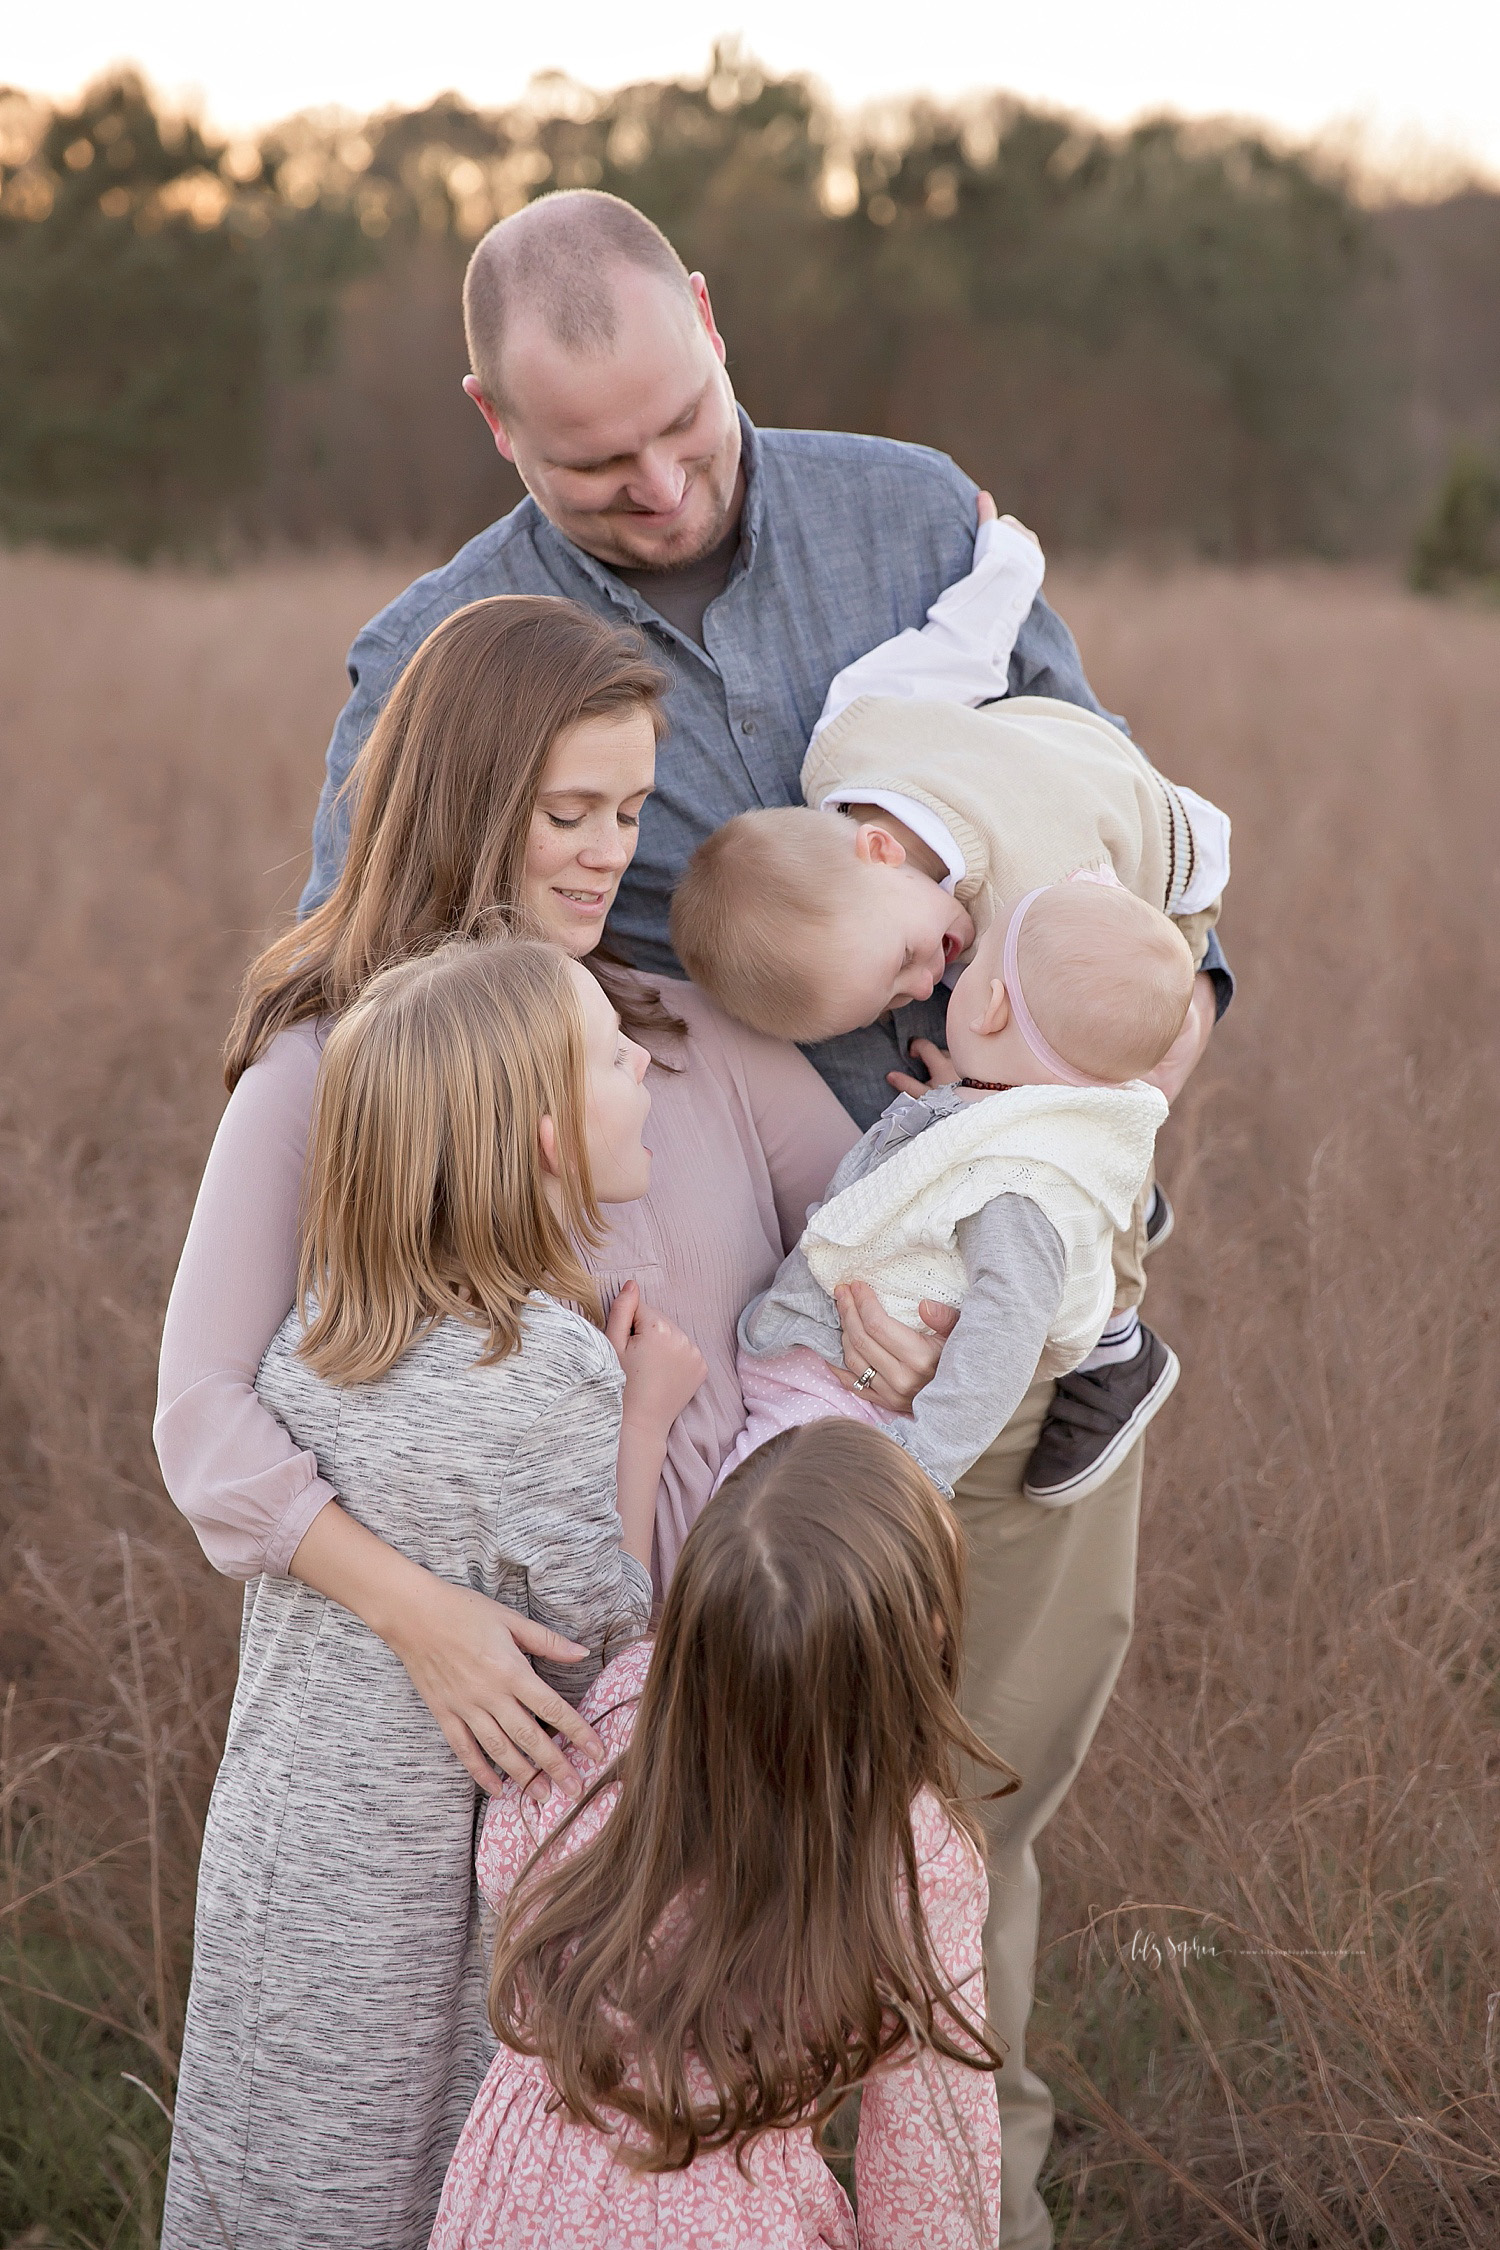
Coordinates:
(1051, 1601)
(1130, 1250)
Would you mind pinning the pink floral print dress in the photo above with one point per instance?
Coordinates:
(526, 2176)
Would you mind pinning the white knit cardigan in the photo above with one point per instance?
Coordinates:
(1080, 1152)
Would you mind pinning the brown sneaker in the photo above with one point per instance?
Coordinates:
(1095, 1419)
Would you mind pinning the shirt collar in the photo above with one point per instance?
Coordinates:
(920, 819)
(753, 517)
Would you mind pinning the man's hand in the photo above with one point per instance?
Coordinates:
(1186, 1051)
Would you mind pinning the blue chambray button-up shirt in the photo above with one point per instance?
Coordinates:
(844, 542)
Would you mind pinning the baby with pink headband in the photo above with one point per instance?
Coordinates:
(941, 825)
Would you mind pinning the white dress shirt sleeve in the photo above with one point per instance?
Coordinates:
(962, 654)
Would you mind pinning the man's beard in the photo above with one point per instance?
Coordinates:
(694, 546)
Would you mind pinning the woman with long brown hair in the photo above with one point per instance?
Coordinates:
(771, 1896)
(506, 774)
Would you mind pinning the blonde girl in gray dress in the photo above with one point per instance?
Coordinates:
(474, 1110)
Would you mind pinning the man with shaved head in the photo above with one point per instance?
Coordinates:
(572, 283)
(759, 563)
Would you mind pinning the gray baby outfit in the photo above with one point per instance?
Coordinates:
(336, 2030)
(1014, 1265)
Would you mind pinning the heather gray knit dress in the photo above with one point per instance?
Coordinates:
(336, 2029)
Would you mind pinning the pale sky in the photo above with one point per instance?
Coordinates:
(1413, 77)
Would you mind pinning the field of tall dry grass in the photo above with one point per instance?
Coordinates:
(1270, 1992)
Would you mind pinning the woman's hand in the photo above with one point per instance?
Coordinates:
(940, 1068)
(663, 1368)
(462, 1651)
(904, 1360)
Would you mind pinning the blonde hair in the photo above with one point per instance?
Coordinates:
(1107, 977)
(756, 907)
(425, 1198)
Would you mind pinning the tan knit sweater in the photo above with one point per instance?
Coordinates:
(1030, 789)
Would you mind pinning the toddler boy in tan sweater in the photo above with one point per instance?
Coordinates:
(932, 806)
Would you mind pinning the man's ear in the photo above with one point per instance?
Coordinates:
(546, 1139)
(497, 428)
(699, 288)
(996, 1012)
(877, 847)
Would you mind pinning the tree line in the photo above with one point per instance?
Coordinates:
(1181, 335)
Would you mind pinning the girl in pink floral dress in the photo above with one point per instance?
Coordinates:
(768, 1898)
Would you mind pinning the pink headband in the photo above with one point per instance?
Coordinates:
(1026, 1023)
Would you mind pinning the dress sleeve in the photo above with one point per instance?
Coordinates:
(804, 1131)
(927, 2163)
(247, 1490)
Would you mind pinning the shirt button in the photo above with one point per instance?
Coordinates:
(747, 726)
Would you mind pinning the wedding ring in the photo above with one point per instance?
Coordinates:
(865, 1380)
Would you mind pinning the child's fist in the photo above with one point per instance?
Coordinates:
(663, 1368)
(989, 514)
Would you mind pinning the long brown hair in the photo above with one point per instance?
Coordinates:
(750, 1909)
(425, 1197)
(440, 800)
